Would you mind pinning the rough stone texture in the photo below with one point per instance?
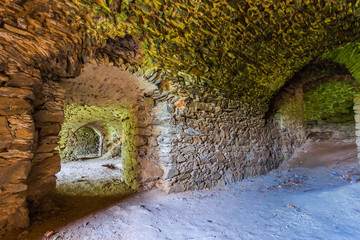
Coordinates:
(13, 106)
(332, 131)
(46, 163)
(207, 140)
(146, 135)
(192, 139)
(357, 123)
(16, 152)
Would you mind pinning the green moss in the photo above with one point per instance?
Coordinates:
(349, 55)
(248, 49)
(128, 153)
(112, 118)
(330, 101)
(291, 109)
(87, 141)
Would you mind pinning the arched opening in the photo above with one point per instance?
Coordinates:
(92, 140)
(328, 108)
(315, 114)
(88, 143)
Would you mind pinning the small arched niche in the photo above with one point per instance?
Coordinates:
(88, 143)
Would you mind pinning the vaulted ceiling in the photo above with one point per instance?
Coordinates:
(246, 48)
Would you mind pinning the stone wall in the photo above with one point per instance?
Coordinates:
(206, 140)
(48, 118)
(320, 131)
(17, 131)
(357, 123)
(149, 168)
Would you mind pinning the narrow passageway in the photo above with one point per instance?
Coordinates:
(314, 195)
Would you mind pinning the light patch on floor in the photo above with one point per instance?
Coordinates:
(91, 177)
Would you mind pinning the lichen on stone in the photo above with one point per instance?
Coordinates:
(112, 119)
(331, 101)
(248, 49)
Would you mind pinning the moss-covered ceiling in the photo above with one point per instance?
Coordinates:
(246, 48)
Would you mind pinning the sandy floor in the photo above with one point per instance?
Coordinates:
(92, 177)
(321, 202)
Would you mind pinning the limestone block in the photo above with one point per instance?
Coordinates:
(12, 106)
(152, 142)
(140, 141)
(356, 106)
(357, 118)
(152, 170)
(4, 162)
(48, 144)
(148, 100)
(47, 167)
(21, 80)
(170, 173)
(144, 131)
(22, 145)
(52, 130)
(46, 116)
(17, 93)
(220, 156)
(176, 188)
(16, 154)
(181, 159)
(41, 156)
(5, 135)
(188, 149)
(25, 131)
(13, 211)
(15, 174)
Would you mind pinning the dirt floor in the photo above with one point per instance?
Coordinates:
(314, 195)
(92, 177)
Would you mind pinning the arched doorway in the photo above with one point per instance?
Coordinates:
(317, 105)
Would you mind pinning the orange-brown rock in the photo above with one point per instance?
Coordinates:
(52, 130)
(46, 116)
(12, 106)
(5, 135)
(16, 92)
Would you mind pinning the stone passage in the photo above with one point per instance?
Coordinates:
(187, 95)
(89, 143)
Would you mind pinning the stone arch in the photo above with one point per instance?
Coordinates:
(287, 108)
(31, 126)
(94, 138)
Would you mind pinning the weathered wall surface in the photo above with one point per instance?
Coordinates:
(328, 108)
(48, 117)
(195, 139)
(207, 140)
(17, 130)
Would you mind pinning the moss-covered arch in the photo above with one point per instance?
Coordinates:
(89, 142)
(288, 110)
(112, 119)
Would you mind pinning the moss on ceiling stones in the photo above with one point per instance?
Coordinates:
(248, 48)
(349, 55)
(330, 101)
